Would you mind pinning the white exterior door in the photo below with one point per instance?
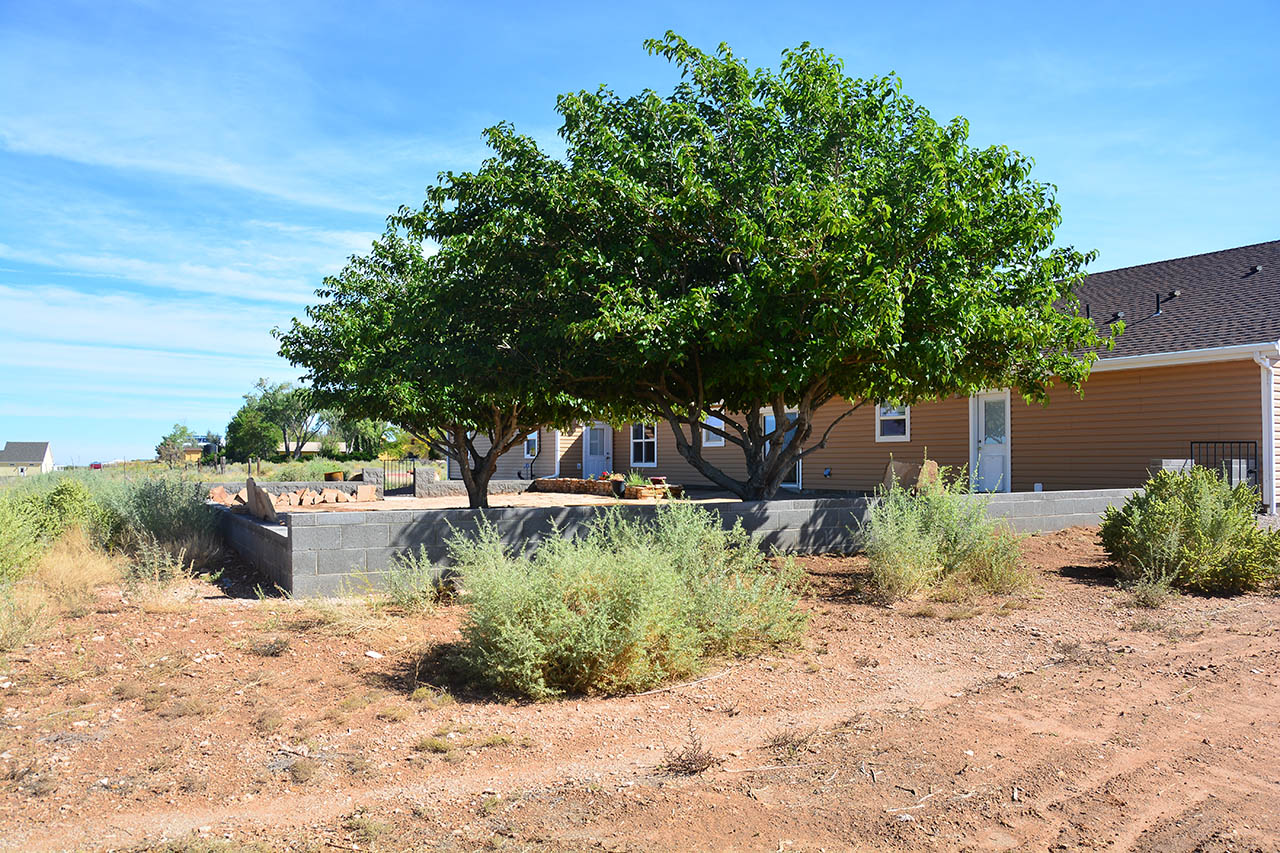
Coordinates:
(597, 449)
(989, 459)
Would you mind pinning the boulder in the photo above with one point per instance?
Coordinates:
(905, 473)
(329, 496)
(366, 493)
(219, 494)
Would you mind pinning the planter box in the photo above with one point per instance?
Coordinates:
(649, 493)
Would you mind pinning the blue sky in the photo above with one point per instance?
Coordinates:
(176, 178)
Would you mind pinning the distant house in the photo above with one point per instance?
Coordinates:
(192, 454)
(312, 448)
(1194, 378)
(20, 458)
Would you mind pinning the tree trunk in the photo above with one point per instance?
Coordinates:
(766, 466)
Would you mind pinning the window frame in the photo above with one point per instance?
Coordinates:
(710, 439)
(906, 423)
(537, 444)
(632, 441)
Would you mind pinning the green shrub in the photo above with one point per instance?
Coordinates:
(413, 583)
(628, 605)
(915, 539)
(1193, 532)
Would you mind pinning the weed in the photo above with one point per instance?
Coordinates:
(364, 829)
(71, 571)
(924, 611)
(302, 770)
(358, 764)
(789, 744)
(268, 722)
(272, 648)
(413, 584)
(128, 690)
(489, 805)
(688, 759)
(1194, 532)
(1149, 592)
(393, 713)
(493, 740)
(628, 605)
(956, 614)
(430, 697)
(24, 615)
(920, 539)
(436, 745)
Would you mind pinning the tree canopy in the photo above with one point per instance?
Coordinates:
(769, 242)
(728, 258)
(461, 347)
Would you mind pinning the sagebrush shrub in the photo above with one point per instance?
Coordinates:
(1191, 531)
(413, 583)
(916, 538)
(625, 606)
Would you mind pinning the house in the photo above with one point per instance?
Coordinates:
(192, 454)
(313, 448)
(1193, 377)
(19, 458)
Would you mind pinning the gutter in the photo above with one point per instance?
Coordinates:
(1267, 363)
(1191, 356)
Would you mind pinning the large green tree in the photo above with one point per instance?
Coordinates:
(759, 244)
(462, 347)
(250, 435)
(292, 409)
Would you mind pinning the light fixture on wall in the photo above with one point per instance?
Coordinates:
(826, 472)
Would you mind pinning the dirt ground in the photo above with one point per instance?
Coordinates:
(1063, 719)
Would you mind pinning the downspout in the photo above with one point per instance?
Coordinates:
(557, 451)
(1267, 365)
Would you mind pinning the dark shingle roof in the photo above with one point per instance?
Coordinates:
(23, 452)
(1224, 302)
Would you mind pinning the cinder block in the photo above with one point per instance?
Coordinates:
(365, 536)
(300, 519)
(315, 538)
(303, 562)
(337, 586)
(380, 559)
(337, 561)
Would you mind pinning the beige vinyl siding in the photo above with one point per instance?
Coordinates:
(571, 451)
(512, 462)
(1126, 418)
(1275, 431)
(857, 461)
(1104, 439)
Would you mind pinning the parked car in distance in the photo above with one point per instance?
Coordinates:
(96, 466)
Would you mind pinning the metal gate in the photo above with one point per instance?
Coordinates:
(1235, 460)
(397, 476)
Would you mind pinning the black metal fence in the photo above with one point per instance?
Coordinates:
(397, 476)
(1236, 460)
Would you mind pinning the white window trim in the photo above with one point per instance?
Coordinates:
(536, 443)
(631, 442)
(886, 438)
(710, 439)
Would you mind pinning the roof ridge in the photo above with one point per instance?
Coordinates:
(1188, 257)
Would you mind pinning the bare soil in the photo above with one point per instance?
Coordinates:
(1062, 719)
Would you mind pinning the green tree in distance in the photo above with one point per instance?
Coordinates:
(291, 409)
(249, 435)
(172, 448)
(760, 244)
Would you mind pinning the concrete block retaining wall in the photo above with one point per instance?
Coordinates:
(337, 553)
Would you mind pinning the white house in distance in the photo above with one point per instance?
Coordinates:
(25, 457)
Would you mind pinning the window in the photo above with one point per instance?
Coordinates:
(644, 445)
(893, 422)
(531, 445)
(711, 439)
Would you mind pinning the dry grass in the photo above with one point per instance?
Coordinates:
(71, 571)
